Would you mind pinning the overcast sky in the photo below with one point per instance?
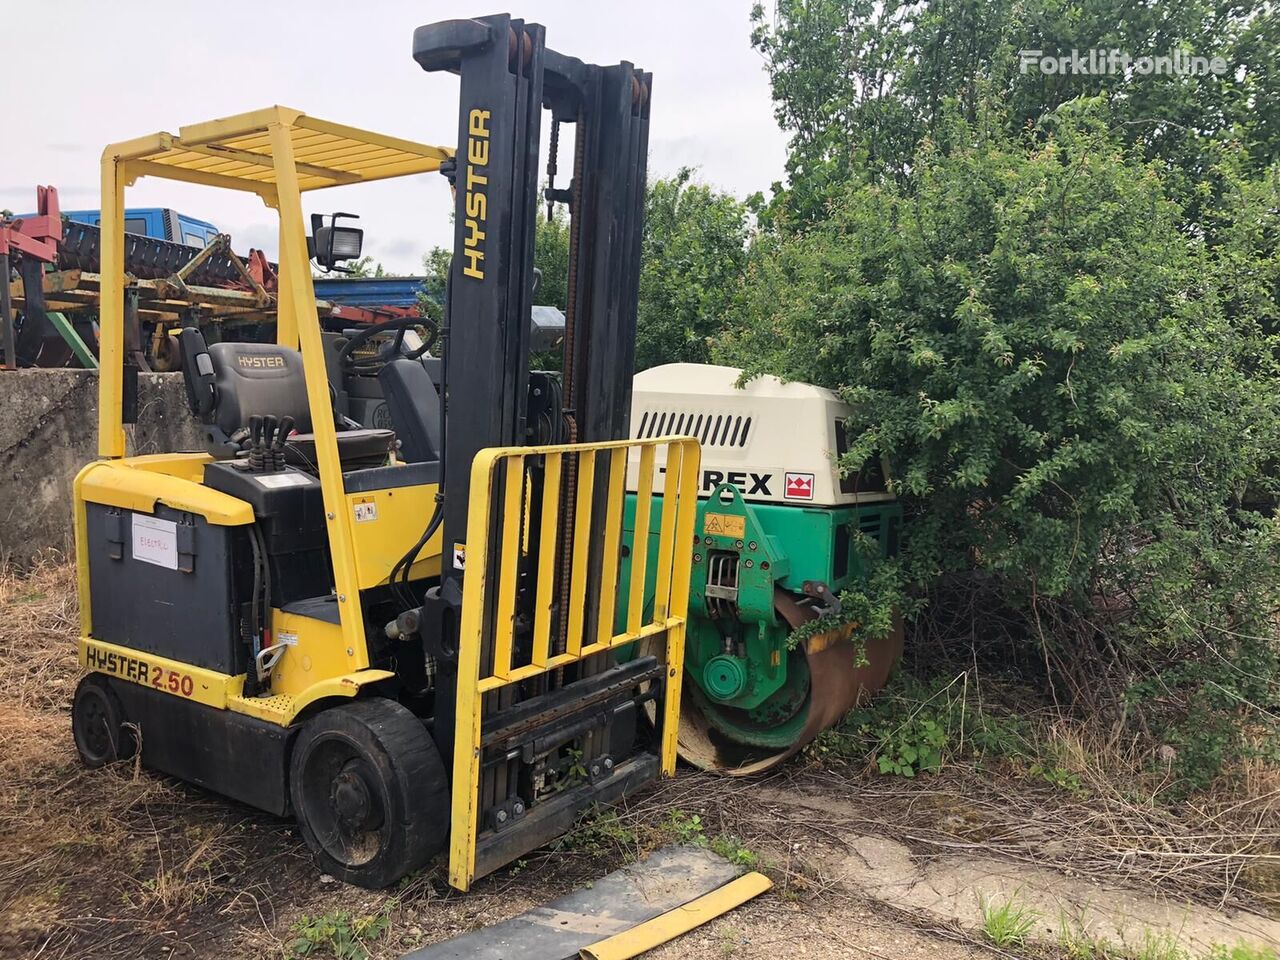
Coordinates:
(84, 73)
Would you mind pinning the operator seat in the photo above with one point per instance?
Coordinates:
(414, 405)
(228, 383)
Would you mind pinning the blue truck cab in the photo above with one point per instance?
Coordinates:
(160, 223)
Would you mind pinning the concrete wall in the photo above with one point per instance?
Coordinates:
(49, 430)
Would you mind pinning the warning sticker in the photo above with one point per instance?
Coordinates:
(798, 486)
(459, 556)
(365, 509)
(725, 525)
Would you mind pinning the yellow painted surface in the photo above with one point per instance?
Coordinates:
(120, 483)
(295, 271)
(213, 689)
(160, 673)
(385, 524)
(680, 499)
(673, 923)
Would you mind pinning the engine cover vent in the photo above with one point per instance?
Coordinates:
(712, 429)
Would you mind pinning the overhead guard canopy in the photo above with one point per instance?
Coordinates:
(236, 152)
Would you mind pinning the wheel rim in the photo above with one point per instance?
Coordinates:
(343, 802)
(95, 727)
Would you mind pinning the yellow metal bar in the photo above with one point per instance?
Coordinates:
(466, 734)
(286, 318)
(295, 270)
(581, 554)
(612, 543)
(666, 538)
(547, 548)
(149, 145)
(218, 151)
(237, 125)
(111, 441)
(640, 557)
(687, 508)
(150, 168)
(81, 524)
(668, 926)
(117, 483)
(366, 136)
(509, 552)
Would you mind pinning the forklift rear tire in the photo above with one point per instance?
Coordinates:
(98, 724)
(369, 791)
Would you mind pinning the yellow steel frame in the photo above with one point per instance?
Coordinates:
(671, 600)
(275, 153)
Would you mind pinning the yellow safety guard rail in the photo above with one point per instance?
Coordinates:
(508, 507)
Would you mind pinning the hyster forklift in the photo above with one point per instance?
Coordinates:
(404, 636)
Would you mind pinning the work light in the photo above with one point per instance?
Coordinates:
(330, 243)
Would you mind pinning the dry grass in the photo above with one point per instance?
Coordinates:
(112, 862)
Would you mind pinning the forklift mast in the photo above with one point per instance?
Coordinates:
(564, 587)
(508, 77)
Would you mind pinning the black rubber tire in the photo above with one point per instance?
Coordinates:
(369, 791)
(98, 724)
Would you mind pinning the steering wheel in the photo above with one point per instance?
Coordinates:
(401, 325)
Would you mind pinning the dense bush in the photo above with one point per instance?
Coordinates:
(1079, 398)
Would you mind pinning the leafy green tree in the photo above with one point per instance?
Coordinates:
(693, 258)
(1076, 396)
(860, 84)
(365, 267)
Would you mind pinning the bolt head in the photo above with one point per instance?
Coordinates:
(608, 763)
(328, 516)
(501, 816)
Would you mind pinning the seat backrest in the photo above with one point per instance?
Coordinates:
(258, 379)
(414, 405)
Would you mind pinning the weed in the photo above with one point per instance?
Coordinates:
(730, 940)
(1158, 946)
(1242, 951)
(686, 828)
(1007, 924)
(1075, 944)
(733, 850)
(601, 833)
(1059, 777)
(337, 934)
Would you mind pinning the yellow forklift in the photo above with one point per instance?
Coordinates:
(403, 635)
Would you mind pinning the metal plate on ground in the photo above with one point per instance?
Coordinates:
(664, 880)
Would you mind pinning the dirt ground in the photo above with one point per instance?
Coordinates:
(120, 863)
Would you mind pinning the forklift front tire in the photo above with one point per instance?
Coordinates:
(98, 724)
(370, 792)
